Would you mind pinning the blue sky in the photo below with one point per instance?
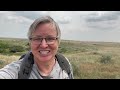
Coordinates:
(74, 25)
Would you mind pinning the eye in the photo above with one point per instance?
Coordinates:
(36, 39)
(51, 38)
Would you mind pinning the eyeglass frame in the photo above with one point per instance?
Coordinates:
(40, 39)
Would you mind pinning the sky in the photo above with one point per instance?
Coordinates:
(74, 25)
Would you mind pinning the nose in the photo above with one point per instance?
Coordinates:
(43, 44)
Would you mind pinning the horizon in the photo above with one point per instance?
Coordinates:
(61, 40)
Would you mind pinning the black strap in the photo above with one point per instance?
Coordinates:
(64, 64)
(26, 66)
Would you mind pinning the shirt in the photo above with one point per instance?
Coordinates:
(11, 70)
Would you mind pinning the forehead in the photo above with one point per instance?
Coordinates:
(45, 30)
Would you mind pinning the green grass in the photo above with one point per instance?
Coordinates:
(13, 46)
(90, 60)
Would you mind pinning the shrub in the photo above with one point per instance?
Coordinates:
(1, 62)
(106, 59)
(62, 50)
(4, 47)
(16, 48)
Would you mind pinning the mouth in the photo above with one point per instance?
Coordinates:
(44, 52)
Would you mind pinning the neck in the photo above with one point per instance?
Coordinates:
(45, 67)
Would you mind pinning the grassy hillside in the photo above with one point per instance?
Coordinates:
(90, 60)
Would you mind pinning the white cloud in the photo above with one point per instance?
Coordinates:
(13, 18)
(18, 19)
(61, 17)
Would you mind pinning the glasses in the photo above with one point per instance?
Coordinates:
(49, 40)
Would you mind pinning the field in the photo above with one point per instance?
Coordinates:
(90, 60)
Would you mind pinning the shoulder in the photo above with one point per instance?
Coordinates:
(10, 71)
(69, 67)
(65, 64)
(14, 64)
(62, 58)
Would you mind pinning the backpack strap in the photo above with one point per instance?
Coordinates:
(26, 66)
(64, 64)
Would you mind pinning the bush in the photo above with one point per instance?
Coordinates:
(62, 50)
(4, 47)
(15, 48)
(105, 59)
(1, 62)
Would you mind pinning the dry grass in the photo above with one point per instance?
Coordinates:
(87, 64)
(4, 59)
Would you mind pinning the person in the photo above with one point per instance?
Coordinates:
(43, 60)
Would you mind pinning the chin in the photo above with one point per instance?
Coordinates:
(45, 58)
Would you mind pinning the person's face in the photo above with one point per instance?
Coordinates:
(44, 50)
